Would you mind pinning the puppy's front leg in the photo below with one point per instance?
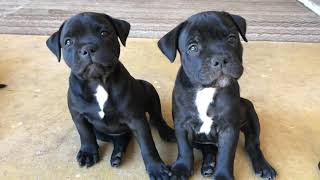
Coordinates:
(88, 154)
(153, 163)
(182, 168)
(227, 144)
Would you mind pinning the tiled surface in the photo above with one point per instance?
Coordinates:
(38, 139)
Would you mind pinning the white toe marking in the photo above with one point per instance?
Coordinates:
(102, 97)
(203, 99)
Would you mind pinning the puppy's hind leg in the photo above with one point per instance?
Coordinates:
(120, 144)
(251, 131)
(2, 85)
(156, 118)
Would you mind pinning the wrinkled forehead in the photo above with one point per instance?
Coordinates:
(207, 26)
(86, 23)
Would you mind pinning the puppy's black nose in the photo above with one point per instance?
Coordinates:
(88, 50)
(219, 62)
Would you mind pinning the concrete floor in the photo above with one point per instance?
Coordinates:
(38, 139)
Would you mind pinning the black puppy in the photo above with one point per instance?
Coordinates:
(104, 100)
(207, 109)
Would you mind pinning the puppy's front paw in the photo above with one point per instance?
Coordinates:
(264, 169)
(158, 170)
(207, 169)
(87, 158)
(116, 158)
(180, 171)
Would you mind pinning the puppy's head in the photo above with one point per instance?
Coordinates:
(209, 46)
(89, 43)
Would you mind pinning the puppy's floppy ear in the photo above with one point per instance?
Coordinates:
(241, 25)
(53, 43)
(122, 28)
(168, 44)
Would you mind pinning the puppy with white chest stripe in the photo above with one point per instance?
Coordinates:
(104, 100)
(208, 111)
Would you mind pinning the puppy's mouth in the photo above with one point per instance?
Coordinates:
(221, 80)
(96, 71)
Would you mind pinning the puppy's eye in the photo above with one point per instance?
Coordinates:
(104, 33)
(67, 42)
(193, 48)
(232, 38)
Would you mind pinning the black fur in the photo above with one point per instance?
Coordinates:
(90, 47)
(211, 57)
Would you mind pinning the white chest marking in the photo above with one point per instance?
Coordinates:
(203, 99)
(102, 97)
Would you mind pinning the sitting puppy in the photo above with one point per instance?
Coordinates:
(104, 100)
(208, 111)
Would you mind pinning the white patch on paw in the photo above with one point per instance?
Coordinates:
(203, 99)
(102, 97)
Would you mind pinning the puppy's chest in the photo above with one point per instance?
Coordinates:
(101, 96)
(203, 99)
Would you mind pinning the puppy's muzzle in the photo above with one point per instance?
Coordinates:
(226, 65)
(93, 71)
(220, 70)
(219, 62)
(94, 63)
(88, 51)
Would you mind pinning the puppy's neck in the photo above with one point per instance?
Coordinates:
(106, 78)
